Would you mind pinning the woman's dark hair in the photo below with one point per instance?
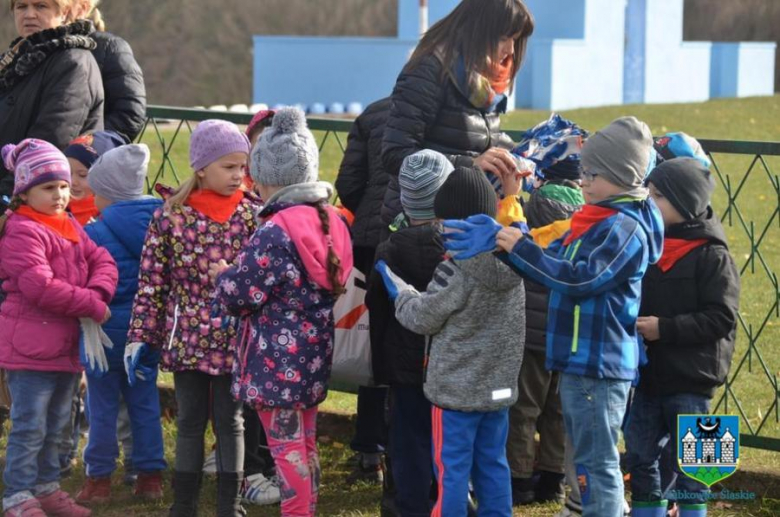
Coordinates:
(474, 30)
(334, 262)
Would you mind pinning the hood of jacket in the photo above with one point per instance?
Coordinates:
(708, 227)
(128, 221)
(291, 208)
(644, 212)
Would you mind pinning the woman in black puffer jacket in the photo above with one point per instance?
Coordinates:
(50, 86)
(449, 95)
(123, 80)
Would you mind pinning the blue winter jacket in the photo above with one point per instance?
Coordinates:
(596, 284)
(121, 229)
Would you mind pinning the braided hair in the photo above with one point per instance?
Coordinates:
(334, 262)
(16, 202)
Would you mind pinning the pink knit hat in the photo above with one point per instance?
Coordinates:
(259, 117)
(34, 162)
(212, 140)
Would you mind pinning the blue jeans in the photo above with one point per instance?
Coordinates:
(40, 410)
(652, 424)
(593, 411)
(143, 407)
(471, 444)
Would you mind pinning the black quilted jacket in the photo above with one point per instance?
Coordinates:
(428, 111)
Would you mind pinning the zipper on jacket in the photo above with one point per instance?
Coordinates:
(175, 323)
(576, 334)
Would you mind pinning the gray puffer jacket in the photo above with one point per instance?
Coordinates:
(473, 312)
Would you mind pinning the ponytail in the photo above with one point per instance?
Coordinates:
(96, 17)
(181, 194)
(334, 262)
(16, 202)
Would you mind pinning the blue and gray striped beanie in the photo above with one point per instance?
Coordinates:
(421, 176)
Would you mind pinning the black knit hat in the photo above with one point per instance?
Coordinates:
(466, 192)
(686, 183)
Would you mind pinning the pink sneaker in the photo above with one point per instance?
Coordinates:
(29, 508)
(60, 504)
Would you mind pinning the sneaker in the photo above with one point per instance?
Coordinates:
(261, 490)
(29, 508)
(371, 474)
(210, 464)
(95, 491)
(131, 476)
(568, 512)
(149, 485)
(60, 504)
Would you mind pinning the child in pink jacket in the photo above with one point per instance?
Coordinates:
(53, 275)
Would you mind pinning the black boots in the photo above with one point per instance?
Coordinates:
(186, 487)
(229, 494)
(550, 488)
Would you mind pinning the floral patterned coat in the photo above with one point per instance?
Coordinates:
(279, 285)
(172, 310)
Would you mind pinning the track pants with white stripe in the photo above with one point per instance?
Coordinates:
(471, 445)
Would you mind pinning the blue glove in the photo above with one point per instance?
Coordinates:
(133, 354)
(475, 235)
(393, 283)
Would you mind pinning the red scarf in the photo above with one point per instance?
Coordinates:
(61, 223)
(215, 206)
(675, 249)
(501, 75)
(84, 210)
(588, 216)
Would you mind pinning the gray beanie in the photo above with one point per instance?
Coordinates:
(420, 177)
(620, 153)
(120, 174)
(286, 153)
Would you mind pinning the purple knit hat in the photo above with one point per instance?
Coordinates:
(34, 162)
(212, 140)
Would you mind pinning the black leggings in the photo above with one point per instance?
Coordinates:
(198, 395)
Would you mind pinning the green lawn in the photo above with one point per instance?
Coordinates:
(742, 119)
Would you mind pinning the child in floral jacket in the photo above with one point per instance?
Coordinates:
(284, 285)
(208, 219)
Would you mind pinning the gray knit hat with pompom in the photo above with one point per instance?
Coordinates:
(286, 153)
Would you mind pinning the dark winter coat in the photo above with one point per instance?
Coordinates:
(429, 112)
(398, 354)
(362, 180)
(123, 82)
(51, 91)
(696, 302)
(541, 209)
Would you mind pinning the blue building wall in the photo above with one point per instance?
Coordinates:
(583, 53)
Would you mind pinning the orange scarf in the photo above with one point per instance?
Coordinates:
(84, 210)
(675, 249)
(587, 217)
(501, 75)
(61, 224)
(215, 206)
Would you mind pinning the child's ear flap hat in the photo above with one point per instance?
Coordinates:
(286, 153)
(621, 153)
(34, 162)
(686, 183)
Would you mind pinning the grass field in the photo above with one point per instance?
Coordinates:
(759, 201)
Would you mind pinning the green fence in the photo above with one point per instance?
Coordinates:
(748, 202)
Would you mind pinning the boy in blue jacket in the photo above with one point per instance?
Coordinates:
(594, 273)
(117, 179)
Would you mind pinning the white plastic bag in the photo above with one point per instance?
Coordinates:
(352, 344)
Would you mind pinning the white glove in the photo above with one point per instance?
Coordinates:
(94, 341)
